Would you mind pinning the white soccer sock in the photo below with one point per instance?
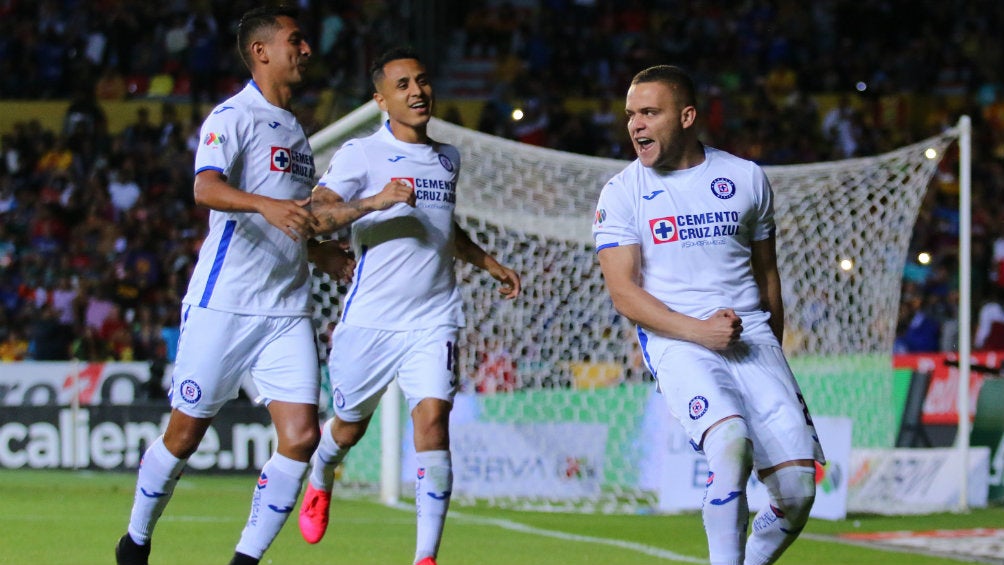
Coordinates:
(792, 492)
(328, 455)
(725, 510)
(433, 487)
(274, 498)
(158, 474)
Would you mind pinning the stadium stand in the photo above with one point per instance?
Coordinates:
(98, 230)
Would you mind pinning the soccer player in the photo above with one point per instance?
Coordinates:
(397, 188)
(685, 240)
(247, 307)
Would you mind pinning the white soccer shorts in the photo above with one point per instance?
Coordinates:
(364, 361)
(701, 387)
(217, 349)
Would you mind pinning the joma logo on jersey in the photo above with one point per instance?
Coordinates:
(664, 229)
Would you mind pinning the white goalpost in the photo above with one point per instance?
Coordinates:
(561, 353)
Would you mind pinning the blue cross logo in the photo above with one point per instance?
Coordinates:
(663, 229)
(280, 159)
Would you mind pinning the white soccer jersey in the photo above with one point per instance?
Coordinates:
(246, 265)
(404, 276)
(695, 228)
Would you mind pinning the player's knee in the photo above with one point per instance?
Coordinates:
(298, 442)
(348, 434)
(793, 491)
(727, 446)
(730, 461)
(307, 439)
(184, 434)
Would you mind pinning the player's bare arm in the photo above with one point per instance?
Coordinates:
(764, 264)
(468, 251)
(621, 268)
(334, 213)
(290, 216)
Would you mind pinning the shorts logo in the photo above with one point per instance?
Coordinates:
(190, 391)
(664, 229)
(281, 159)
(339, 398)
(698, 407)
(601, 216)
(262, 481)
(446, 163)
(421, 472)
(723, 188)
(406, 180)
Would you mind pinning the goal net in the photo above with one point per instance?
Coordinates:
(562, 354)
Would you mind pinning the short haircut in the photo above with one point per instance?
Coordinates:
(674, 77)
(256, 22)
(393, 54)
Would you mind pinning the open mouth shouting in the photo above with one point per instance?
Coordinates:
(420, 106)
(643, 145)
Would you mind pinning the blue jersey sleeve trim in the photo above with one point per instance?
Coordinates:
(209, 168)
(606, 246)
(358, 280)
(221, 254)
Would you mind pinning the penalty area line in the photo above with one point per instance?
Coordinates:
(531, 530)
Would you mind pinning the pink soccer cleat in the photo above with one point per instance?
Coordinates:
(427, 561)
(314, 513)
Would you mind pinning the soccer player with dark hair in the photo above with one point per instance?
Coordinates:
(247, 310)
(397, 188)
(685, 239)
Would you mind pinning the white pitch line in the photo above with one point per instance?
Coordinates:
(892, 548)
(523, 528)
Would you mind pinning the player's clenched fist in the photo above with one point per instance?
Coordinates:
(394, 192)
(721, 330)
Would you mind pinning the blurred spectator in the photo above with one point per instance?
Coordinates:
(917, 331)
(990, 323)
(97, 307)
(14, 347)
(840, 128)
(123, 188)
(49, 338)
(997, 274)
(62, 298)
(203, 54)
(170, 332)
(84, 116)
(141, 133)
(110, 85)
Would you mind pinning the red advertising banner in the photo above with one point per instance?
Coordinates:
(941, 402)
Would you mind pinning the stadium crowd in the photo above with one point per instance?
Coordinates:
(98, 229)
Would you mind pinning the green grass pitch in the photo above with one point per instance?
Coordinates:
(75, 518)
